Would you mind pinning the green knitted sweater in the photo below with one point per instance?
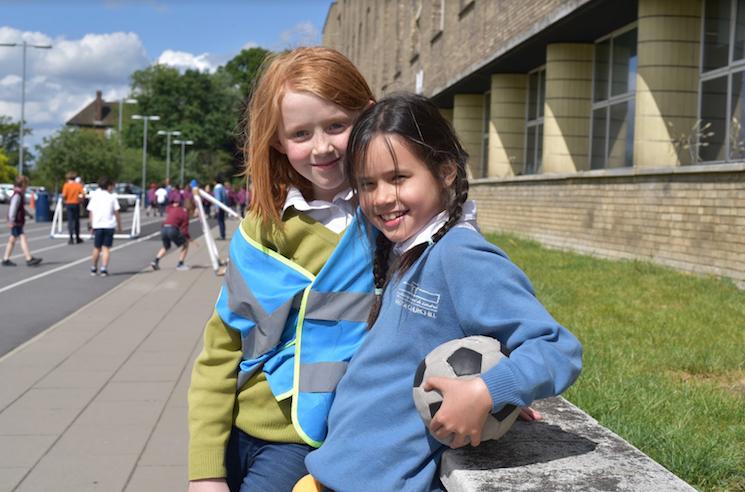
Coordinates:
(214, 405)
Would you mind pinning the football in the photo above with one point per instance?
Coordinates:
(463, 358)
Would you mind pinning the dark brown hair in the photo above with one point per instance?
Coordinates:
(429, 136)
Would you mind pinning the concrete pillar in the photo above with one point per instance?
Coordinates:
(667, 79)
(468, 122)
(566, 120)
(507, 124)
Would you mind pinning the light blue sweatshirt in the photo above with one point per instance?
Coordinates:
(460, 286)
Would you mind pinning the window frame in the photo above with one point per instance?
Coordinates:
(729, 70)
(485, 126)
(611, 100)
(536, 123)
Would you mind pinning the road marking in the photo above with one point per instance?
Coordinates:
(81, 260)
(77, 262)
(65, 231)
(20, 255)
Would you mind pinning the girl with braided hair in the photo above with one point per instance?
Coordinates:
(437, 279)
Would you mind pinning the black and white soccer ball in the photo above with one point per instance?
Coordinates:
(463, 358)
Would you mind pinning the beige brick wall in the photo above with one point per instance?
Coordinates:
(399, 44)
(690, 221)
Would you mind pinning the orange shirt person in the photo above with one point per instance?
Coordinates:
(72, 193)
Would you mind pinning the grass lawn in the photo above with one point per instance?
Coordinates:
(664, 359)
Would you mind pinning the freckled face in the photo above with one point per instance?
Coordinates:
(398, 199)
(313, 134)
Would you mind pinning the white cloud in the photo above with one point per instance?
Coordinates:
(63, 80)
(185, 61)
(96, 57)
(301, 34)
(249, 45)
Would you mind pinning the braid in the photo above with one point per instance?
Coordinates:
(455, 208)
(383, 248)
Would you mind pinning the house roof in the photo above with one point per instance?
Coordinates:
(97, 114)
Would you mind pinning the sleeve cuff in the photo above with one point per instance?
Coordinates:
(207, 463)
(502, 386)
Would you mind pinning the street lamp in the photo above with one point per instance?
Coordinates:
(122, 102)
(183, 143)
(145, 119)
(24, 45)
(168, 134)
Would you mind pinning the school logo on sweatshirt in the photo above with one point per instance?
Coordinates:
(417, 300)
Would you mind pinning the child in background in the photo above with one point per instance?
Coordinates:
(103, 217)
(73, 194)
(409, 171)
(299, 263)
(206, 203)
(175, 230)
(16, 220)
(221, 195)
(152, 203)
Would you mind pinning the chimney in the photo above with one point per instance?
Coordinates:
(98, 109)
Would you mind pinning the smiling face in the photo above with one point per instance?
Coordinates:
(313, 134)
(399, 196)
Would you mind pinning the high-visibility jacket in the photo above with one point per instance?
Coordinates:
(300, 329)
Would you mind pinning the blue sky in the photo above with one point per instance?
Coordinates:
(99, 43)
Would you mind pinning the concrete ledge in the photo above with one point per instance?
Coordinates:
(567, 451)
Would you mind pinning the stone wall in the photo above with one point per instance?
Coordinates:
(391, 41)
(692, 218)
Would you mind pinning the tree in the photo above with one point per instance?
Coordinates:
(9, 136)
(90, 153)
(131, 170)
(7, 172)
(244, 67)
(203, 106)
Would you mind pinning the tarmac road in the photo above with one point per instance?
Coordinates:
(34, 298)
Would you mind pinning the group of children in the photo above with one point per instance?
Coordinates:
(310, 353)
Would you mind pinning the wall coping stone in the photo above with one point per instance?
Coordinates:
(565, 451)
(616, 173)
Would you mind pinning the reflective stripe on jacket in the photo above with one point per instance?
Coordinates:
(286, 314)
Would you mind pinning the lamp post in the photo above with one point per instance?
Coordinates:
(122, 102)
(24, 45)
(183, 144)
(168, 134)
(145, 119)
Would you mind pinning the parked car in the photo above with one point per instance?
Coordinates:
(6, 189)
(133, 191)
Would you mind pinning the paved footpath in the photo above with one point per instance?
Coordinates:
(98, 401)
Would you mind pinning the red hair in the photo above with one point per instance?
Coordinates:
(323, 72)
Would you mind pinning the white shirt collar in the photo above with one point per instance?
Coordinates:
(297, 200)
(467, 218)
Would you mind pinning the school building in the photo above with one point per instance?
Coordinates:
(610, 127)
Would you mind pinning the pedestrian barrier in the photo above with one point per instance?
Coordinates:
(57, 231)
(217, 265)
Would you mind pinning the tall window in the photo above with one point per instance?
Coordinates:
(614, 86)
(721, 130)
(534, 121)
